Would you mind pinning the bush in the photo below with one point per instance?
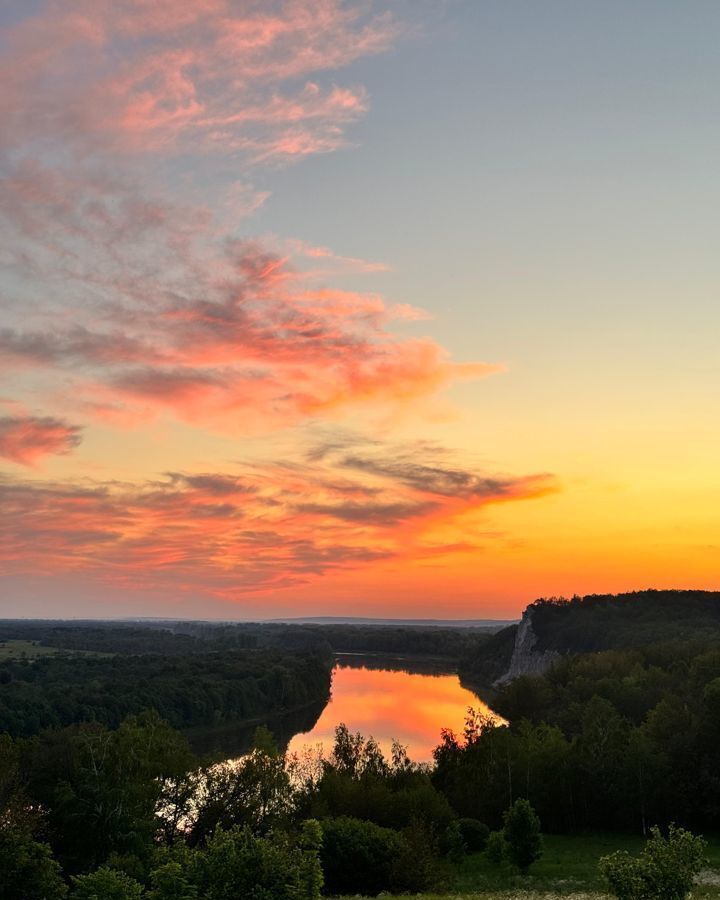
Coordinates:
(522, 835)
(496, 848)
(475, 834)
(358, 857)
(453, 843)
(664, 870)
(236, 863)
(416, 867)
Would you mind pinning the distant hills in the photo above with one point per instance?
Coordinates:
(166, 622)
(400, 623)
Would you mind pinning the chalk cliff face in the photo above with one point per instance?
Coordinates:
(525, 659)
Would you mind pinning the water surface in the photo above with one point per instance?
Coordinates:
(392, 699)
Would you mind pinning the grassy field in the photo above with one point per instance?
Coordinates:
(30, 650)
(24, 650)
(567, 870)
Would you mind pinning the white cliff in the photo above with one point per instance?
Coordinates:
(525, 659)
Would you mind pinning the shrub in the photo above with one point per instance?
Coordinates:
(416, 868)
(237, 863)
(358, 857)
(453, 843)
(522, 834)
(496, 848)
(475, 834)
(664, 870)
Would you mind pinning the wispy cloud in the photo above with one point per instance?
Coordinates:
(27, 439)
(265, 526)
(212, 76)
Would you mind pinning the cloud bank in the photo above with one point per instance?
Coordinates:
(134, 295)
(227, 534)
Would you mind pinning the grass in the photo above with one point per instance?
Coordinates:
(31, 650)
(24, 650)
(569, 863)
(567, 870)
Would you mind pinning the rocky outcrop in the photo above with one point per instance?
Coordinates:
(525, 659)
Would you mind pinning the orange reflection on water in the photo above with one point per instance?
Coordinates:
(387, 705)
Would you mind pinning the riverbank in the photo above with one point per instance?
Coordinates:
(228, 739)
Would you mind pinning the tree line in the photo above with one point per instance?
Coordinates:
(620, 739)
(200, 689)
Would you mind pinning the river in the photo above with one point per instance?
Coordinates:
(392, 699)
(384, 697)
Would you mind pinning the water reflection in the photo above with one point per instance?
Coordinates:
(233, 740)
(390, 699)
(383, 697)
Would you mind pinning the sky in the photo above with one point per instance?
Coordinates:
(399, 308)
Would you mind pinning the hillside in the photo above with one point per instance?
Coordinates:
(551, 628)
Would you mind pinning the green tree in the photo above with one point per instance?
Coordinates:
(27, 868)
(255, 791)
(169, 882)
(311, 873)
(102, 788)
(522, 834)
(106, 884)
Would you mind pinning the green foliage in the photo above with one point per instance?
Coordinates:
(312, 878)
(610, 741)
(255, 791)
(453, 842)
(664, 871)
(474, 833)
(496, 849)
(522, 834)
(358, 782)
(358, 857)
(199, 689)
(106, 884)
(605, 621)
(169, 882)
(237, 863)
(102, 788)
(27, 869)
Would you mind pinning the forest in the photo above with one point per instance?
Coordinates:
(102, 796)
(193, 674)
(599, 622)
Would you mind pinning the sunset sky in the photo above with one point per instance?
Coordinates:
(356, 308)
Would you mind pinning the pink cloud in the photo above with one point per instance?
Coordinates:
(177, 76)
(27, 439)
(170, 316)
(147, 305)
(261, 527)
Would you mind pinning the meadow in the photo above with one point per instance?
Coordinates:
(568, 869)
(25, 650)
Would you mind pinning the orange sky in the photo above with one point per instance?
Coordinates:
(317, 309)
